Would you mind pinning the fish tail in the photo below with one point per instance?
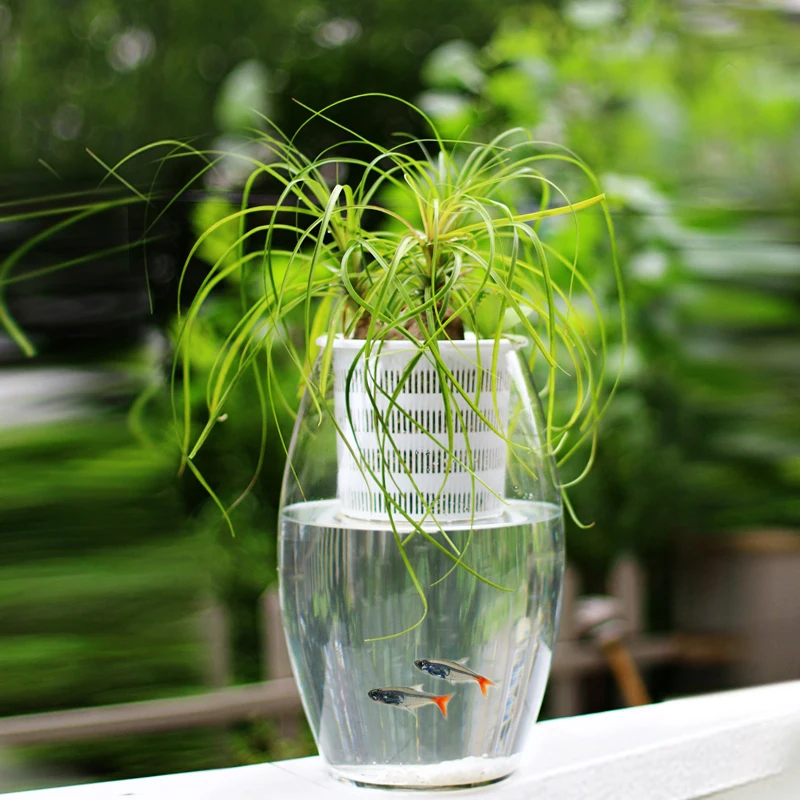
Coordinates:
(442, 702)
(483, 683)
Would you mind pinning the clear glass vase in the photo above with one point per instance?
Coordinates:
(445, 702)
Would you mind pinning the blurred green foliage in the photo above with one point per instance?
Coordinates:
(112, 75)
(101, 584)
(689, 114)
(119, 552)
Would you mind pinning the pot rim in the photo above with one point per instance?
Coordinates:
(509, 341)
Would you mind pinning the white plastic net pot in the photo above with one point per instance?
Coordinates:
(401, 449)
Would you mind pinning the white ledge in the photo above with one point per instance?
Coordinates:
(678, 750)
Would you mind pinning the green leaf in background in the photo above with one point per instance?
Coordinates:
(218, 245)
(489, 309)
(243, 98)
(453, 113)
(454, 66)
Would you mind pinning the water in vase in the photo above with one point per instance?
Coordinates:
(381, 718)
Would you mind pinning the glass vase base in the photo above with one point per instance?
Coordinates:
(464, 773)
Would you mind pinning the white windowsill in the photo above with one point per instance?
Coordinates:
(677, 750)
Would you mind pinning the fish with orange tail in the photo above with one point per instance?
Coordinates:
(454, 672)
(409, 698)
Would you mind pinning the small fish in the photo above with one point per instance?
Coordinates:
(453, 671)
(409, 698)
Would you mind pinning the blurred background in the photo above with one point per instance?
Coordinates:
(118, 580)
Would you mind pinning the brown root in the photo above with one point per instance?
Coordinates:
(454, 329)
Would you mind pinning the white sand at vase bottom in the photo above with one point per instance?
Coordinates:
(471, 771)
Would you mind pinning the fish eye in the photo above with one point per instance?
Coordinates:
(421, 664)
(374, 694)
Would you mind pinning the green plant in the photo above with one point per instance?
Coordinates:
(426, 240)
